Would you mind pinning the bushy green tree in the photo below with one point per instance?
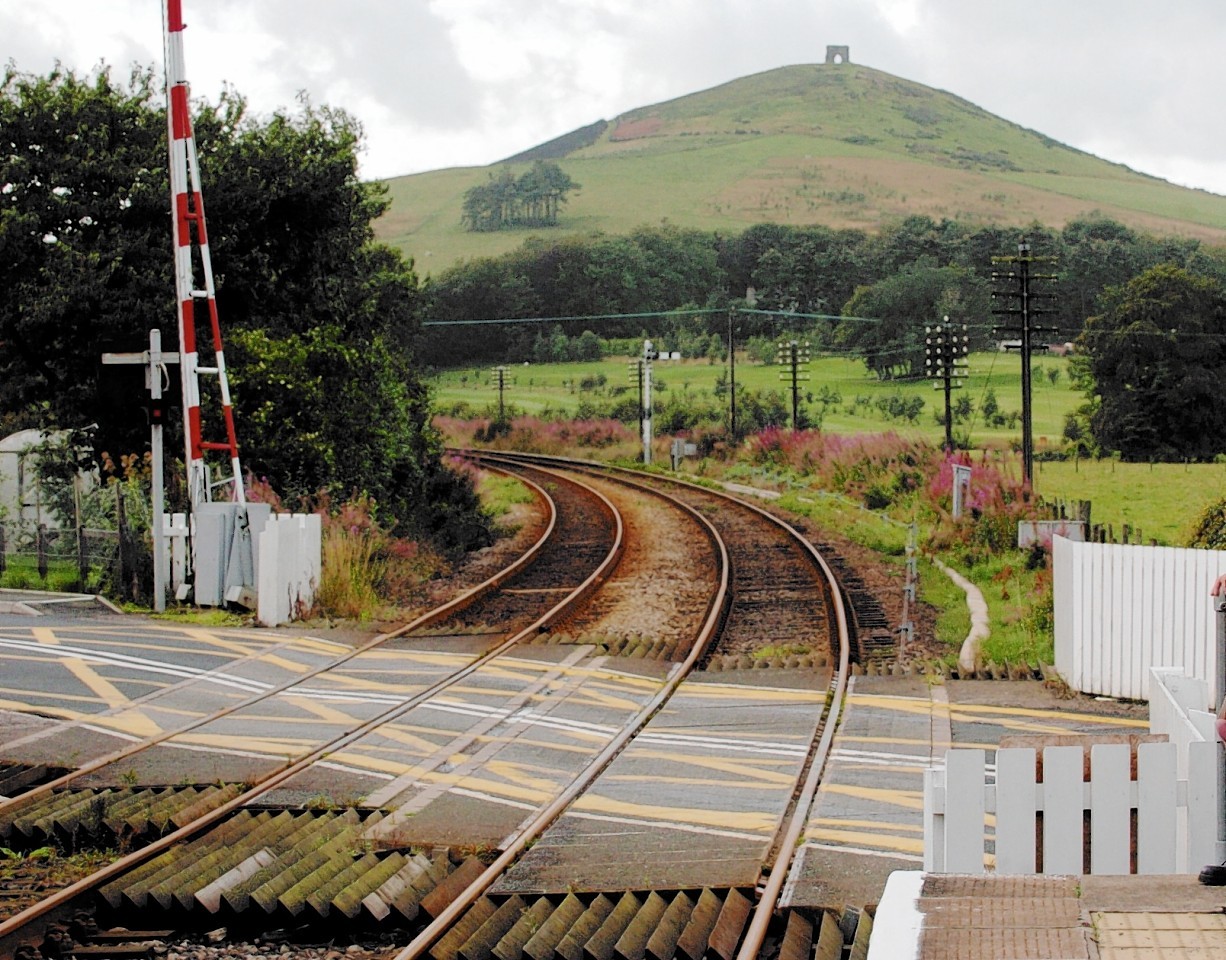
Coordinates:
(319, 319)
(1155, 366)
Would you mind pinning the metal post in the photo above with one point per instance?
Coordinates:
(158, 480)
(648, 354)
(1023, 258)
(1219, 699)
(731, 375)
(795, 358)
(154, 361)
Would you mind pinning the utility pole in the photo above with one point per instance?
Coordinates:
(1014, 291)
(649, 353)
(945, 361)
(732, 373)
(636, 378)
(793, 354)
(500, 376)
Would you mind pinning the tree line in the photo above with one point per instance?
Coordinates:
(869, 296)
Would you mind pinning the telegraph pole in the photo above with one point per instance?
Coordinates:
(1014, 291)
(500, 377)
(793, 355)
(649, 353)
(731, 373)
(946, 362)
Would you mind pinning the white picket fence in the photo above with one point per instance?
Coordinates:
(1176, 814)
(288, 564)
(1121, 609)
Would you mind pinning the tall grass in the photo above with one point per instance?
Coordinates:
(354, 562)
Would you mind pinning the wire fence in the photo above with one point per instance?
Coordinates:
(103, 549)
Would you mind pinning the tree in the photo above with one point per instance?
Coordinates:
(884, 323)
(318, 318)
(531, 200)
(1156, 366)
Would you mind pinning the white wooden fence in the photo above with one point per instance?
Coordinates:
(287, 557)
(1175, 815)
(1121, 609)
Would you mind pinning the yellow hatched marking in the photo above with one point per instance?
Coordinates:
(367, 762)
(62, 712)
(908, 799)
(703, 691)
(280, 747)
(45, 694)
(873, 840)
(979, 713)
(103, 689)
(521, 774)
(868, 824)
(751, 770)
(748, 820)
(690, 781)
(321, 710)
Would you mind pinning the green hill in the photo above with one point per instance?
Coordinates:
(840, 145)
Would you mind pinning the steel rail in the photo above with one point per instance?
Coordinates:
(716, 610)
(791, 827)
(429, 618)
(11, 929)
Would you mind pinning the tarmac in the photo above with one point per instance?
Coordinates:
(863, 845)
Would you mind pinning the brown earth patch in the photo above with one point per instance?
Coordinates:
(636, 129)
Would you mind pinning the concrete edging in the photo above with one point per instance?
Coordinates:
(968, 656)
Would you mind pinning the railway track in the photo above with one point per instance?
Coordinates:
(339, 853)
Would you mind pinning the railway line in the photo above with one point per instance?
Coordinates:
(463, 767)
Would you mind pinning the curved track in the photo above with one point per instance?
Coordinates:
(574, 511)
(771, 593)
(773, 589)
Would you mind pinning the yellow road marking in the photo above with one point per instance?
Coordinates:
(62, 712)
(748, 820)
(103, 689)
(869, 824)
(753, 770)
(982, 712)
(908, 799)
(321, 710)
(871, 840)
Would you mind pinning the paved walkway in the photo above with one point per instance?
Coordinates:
(942, 917)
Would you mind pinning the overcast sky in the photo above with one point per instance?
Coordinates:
(443, 83)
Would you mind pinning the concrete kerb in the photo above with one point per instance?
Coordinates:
(968, 656)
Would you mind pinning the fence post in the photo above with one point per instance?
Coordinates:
(121, 523)
(1218, 702)
(82, 558)
(42, 551)
(2, 548)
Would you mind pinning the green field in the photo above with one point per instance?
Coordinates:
(556, 387)
(1159, 500)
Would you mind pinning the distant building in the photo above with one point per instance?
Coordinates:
(1015, 346)
(837, 54)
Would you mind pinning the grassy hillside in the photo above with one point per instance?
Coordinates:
(841, 145)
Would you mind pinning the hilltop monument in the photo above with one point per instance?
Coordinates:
(838, 54)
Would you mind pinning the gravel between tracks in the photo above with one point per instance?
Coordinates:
(663, 583)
